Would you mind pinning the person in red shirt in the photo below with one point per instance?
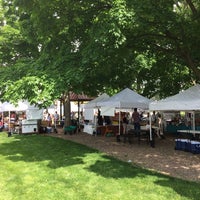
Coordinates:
(12, 117)
(1, 125)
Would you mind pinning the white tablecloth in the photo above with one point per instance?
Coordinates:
(89, 129)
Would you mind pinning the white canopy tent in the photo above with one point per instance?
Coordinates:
(21, 106)
(126, 99)
(93, 103)
(32, 112)
(187, 100)
(6, 106)
(89, 112)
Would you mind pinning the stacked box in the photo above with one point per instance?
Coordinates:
(182, 144)
(177, 144)
(188, 145)
(195, 147)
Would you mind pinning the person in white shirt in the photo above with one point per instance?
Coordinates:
(153, 118)
(56, 116)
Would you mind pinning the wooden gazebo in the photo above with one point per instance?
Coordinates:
(79, 98)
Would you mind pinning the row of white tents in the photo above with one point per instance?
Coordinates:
(188, 100)
(32, 112)
(126, 99)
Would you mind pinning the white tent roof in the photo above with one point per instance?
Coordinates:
(93, 103)
(126, 99)
(6, 106)
(185, 100)
(32, 112)
(21, 106)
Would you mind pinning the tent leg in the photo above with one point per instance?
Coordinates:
(152, 143)
(152, 137)
(118, 138)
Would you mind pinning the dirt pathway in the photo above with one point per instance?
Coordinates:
(162, 158)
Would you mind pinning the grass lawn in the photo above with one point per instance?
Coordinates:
(46, 168)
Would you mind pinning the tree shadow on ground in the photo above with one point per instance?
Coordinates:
(35, 148)
(60, 153)
(114, 168)
(110, 167)
(183, 188)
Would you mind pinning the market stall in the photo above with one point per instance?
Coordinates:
(21, 118)
(127, 99)
(90, 110)
(187, 101)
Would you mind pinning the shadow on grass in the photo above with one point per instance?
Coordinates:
(184, 188)
(36, 148)
(113, 168)
(60, 153)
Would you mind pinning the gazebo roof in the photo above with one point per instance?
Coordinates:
(80, 97)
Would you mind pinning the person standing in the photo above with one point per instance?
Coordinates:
(160, 127)
(1, 125)
(136, 119)
(125, 122)
(49, 123)
(56, 118)
(153, 118)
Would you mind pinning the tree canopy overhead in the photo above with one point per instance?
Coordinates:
(99, 46)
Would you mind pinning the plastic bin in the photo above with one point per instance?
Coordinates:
(69, 129)
(177, 144)
(183, 144)
(195, 147)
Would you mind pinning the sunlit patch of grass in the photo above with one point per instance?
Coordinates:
(42, 167)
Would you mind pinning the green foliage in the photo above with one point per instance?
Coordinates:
(38, 91)
(97, 46)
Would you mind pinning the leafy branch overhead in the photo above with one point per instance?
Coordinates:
(38, 91)
(50, 47)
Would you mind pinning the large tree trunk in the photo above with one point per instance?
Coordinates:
(67, 109)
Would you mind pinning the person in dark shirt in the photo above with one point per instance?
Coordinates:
(99, 118)
(136, 119)
(107, 120)
(125, 122)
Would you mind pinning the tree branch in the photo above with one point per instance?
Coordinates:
(190, 63)
(192, 7)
